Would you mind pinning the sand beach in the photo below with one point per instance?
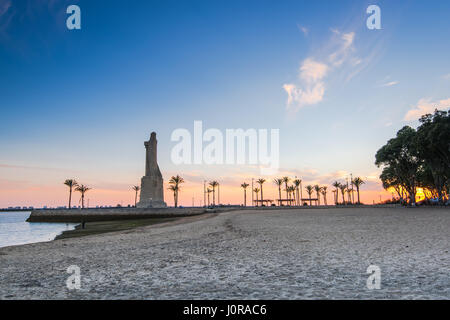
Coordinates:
(245, 254)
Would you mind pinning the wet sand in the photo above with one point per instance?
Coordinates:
(249, 254)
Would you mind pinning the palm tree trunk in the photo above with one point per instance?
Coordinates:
(82, 200)
(135, 199)
(262, 203)
(357, 190)
(301, 194)
(245, 198)
(279, 194)
(70, 197)
(214, 196)
(287, 197)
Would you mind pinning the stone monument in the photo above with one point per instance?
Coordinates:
(152, 189)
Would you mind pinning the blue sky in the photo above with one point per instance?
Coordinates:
(81, 102)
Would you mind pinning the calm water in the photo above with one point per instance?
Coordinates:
(15, 230)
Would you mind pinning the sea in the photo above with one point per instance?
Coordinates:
(14, 230)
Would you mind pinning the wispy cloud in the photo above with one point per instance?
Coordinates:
(12, 167)
(303, 29)
(387, 82)
(313, 71)
(425, 106)
(390, 84)
(446, 76)
(311, 74)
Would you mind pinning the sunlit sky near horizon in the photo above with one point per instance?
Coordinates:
(80, 103)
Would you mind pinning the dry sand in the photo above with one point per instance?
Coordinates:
(270, 254)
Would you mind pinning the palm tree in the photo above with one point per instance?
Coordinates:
(174, 189)
(208, 191)
(358, 182)
(335, 196)
(324, 193)
(337, 185)
(286, 180)
(261, 182)
(343, 188)
(292, 192)
(176, 181)
(70, 183)
(278, 182)
(317, 189)
(82, 189)
(309, 190)
(298, 185)
(214, 184)
(245, 186)
(136, 189)
(256, 190)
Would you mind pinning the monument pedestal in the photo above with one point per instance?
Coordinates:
(152, 195)
(152, 188)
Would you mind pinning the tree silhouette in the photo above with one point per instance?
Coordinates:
(71, 183)
(245, 186)
(136, 189)
(176, 181)
(357, 182)
(261, 182)
(82, 189)
(309, 190)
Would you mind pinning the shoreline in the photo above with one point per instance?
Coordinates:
(118, 226)
(101, 227)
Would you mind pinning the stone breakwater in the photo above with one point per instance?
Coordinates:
(109, 214)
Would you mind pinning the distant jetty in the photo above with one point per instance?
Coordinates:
(110, 214)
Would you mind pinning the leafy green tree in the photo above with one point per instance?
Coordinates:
(401, 155)
(433, 139)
